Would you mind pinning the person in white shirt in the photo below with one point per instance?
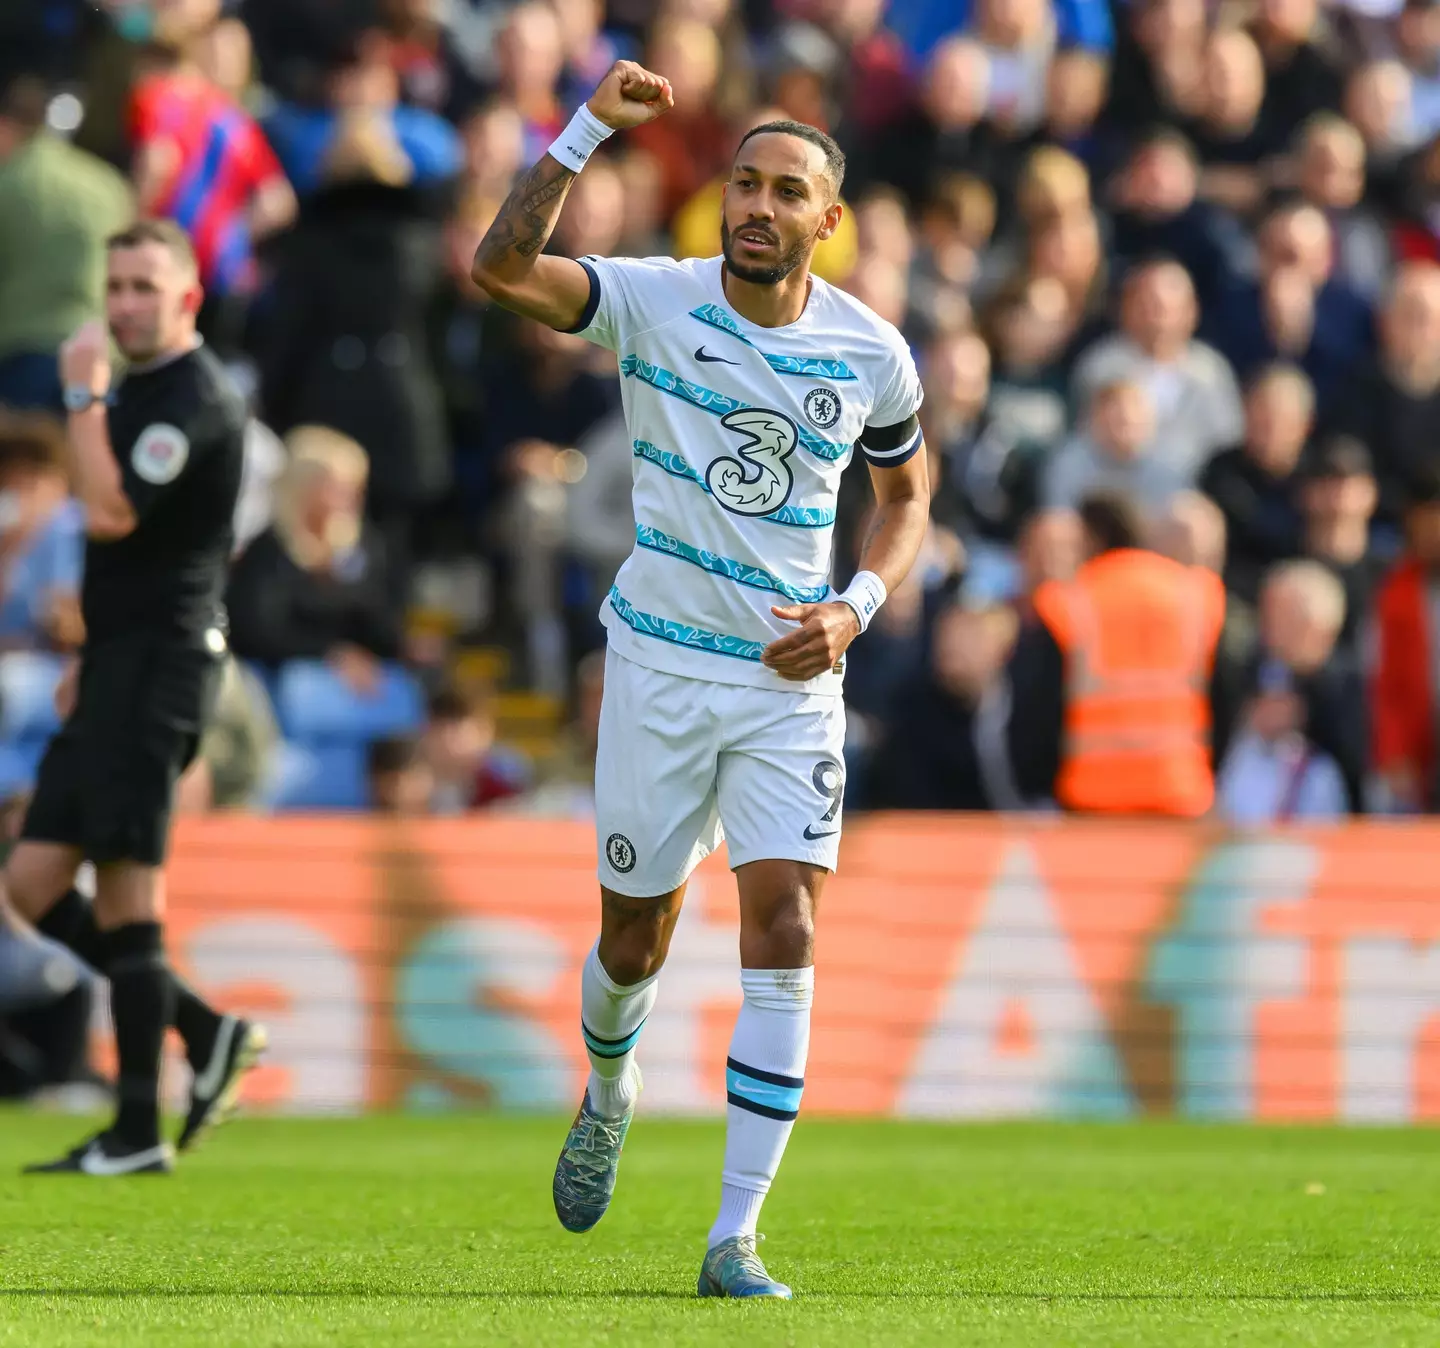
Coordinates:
(748, 383)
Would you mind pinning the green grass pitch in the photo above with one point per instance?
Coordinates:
(405, 1231)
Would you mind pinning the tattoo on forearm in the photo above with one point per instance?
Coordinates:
(877, 523)
(524, 222)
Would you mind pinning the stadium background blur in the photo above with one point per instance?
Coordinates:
(438, 491)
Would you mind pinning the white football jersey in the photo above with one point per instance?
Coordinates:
(739, 435)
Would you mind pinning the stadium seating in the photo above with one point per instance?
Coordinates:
(328, 728)
(27, 714)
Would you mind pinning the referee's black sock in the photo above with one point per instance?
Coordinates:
(71, 922)
(142, 1001)
(197, 1023)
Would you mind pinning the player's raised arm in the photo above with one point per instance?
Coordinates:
(510, 264)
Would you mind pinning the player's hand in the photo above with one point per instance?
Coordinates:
(630, 96)
(66, 690)
(85, 358)
(825, 631)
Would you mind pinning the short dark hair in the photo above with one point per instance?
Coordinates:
(1424, 487)
(25, 101)
(1166, 137)
(834, 155)
(1337, 456)
(1113, 520)
(452, 702)
(394, 753)
(166, 233)
(34, 439)
(1149, 262)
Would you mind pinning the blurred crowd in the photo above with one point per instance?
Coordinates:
(1181, 251)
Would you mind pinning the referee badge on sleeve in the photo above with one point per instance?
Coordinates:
(160, 453)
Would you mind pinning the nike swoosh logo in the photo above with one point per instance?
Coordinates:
(702, 355)
(209, 1081)
(810, 835)
(95, 1162)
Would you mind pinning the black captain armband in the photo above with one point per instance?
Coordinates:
(890, 446)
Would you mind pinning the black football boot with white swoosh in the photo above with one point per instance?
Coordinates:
(214, 1092)
(107, 1156)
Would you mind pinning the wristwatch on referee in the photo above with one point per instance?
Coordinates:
(78, 398)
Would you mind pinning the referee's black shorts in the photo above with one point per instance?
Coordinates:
(107, 780)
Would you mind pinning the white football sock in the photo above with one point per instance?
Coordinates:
(611, 1018)
(764, 1078)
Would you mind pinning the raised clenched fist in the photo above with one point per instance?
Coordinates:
(630, 96)
(85, 357)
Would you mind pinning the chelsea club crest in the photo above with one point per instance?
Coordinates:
(822, 407)
(620, 852)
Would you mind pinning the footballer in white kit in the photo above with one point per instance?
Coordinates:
(748, 386)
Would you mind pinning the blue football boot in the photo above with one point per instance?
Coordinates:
(733, 1269)
(589, 1161)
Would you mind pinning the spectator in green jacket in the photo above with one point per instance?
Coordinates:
(57, 207)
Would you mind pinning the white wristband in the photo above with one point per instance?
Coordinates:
(864, 594)
(578, 141)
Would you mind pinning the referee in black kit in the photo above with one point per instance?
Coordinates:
(156, 464)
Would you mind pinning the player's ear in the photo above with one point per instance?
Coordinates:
(194, 297)
(830, 220)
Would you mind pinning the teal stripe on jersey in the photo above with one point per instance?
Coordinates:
(756, 577)
(714, 316)
(682, 634)
(718, 404)
(809, 367)
(796, 517)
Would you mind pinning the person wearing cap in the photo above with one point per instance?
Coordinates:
(1405, 674)
(1111, 687)
(1338, 495)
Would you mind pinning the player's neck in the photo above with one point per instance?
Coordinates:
(768, 306)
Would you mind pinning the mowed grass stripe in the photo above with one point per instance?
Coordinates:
(439, 1231)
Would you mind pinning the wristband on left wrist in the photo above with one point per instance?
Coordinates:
(864, 595)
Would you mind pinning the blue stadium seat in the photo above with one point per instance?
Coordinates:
(328, 729)
(27, 695)
(17, 772)
(315, 706)
(322, 777)
(27, 714)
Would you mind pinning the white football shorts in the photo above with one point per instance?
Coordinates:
(684, 763)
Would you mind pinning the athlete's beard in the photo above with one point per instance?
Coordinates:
(758, 275)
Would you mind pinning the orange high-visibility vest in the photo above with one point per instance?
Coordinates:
(1138, 633)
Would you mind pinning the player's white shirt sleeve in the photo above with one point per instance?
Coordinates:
(623, 292)
(739, 436)
(891, 435)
